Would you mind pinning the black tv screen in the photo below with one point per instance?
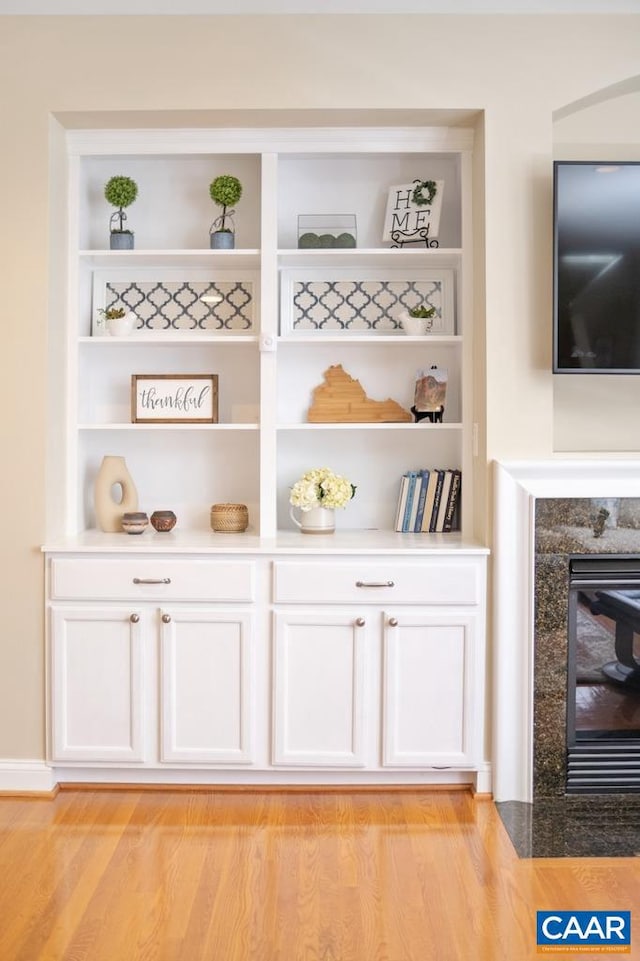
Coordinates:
(596, 267)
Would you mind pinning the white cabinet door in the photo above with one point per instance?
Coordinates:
(96, 684)
(430, 675)
(319, 689)
(206, 686)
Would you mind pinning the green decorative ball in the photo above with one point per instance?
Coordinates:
(326, 240)
(308, 240)
(225, 190)
(345, 240)
(121, 191)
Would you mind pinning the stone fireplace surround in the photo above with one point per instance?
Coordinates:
(530, 601)
(543, 512)
(564, 526)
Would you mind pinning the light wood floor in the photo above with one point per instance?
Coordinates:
(189, 876)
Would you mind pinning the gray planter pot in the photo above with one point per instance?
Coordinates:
(121, 240)
(222, 240)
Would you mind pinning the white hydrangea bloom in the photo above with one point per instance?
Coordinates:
(320, 487)
(304, 495)
(336, 491)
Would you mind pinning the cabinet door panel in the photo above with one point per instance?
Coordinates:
(97, 684)
(429, 705)
(319, 689)
(206, 686)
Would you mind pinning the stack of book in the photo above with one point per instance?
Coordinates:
(429, 501)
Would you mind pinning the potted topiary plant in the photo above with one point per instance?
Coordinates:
(225, 191)
(415, 321)
(120, 192)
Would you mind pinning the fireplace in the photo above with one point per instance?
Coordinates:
(544, 514)
(546, 517)
(603, 675)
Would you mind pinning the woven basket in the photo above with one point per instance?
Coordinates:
(229, 518)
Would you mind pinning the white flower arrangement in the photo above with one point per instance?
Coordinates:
(320, 487)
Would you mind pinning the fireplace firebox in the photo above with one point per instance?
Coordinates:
(603, 675)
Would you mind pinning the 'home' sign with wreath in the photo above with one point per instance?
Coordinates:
(413, 213)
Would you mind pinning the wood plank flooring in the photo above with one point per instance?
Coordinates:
(202, 875)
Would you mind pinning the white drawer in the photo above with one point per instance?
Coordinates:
(151, 579)
(429, 581)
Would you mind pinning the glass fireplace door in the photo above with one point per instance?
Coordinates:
(603, 676)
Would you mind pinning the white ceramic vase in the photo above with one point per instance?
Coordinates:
(113, 474)
(318, 520)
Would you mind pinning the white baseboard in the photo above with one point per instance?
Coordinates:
(19, 776)
(180, 777)
(484, 779)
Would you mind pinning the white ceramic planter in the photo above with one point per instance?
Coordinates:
(413, 326)
(122, 326)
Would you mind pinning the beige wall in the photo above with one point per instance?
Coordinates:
(516, 70)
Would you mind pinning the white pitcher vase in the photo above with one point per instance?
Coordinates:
(318, 520)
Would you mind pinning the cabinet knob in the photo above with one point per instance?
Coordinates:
(134, 618)
(166, 618)
(360, 622)
(393, 622)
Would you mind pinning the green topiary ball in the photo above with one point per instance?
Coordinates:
(326, 240)
(345, 240)
(308, 240)
(225, 190)
(121, 191)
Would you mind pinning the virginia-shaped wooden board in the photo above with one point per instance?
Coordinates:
(342, 399)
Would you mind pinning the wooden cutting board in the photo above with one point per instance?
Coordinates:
(341, 399)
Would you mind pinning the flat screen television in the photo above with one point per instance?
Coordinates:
(596, 259)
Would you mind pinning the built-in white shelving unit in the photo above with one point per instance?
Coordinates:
(268, 656)
(266, 365)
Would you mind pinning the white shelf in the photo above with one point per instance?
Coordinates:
(169, 427)
(170, 338)
(184, 540)
(403, 425)
(219, 259)
(318, 337)
(370, 257)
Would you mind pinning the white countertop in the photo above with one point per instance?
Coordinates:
(286, 542)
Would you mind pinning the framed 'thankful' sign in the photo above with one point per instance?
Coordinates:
(174, 398)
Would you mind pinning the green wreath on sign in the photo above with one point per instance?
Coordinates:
(418, 196)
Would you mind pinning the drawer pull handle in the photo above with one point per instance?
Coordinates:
(166, 618)
(152, 580)
(375, 584)
(393, 622)
(134, 618)
(360, 622)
